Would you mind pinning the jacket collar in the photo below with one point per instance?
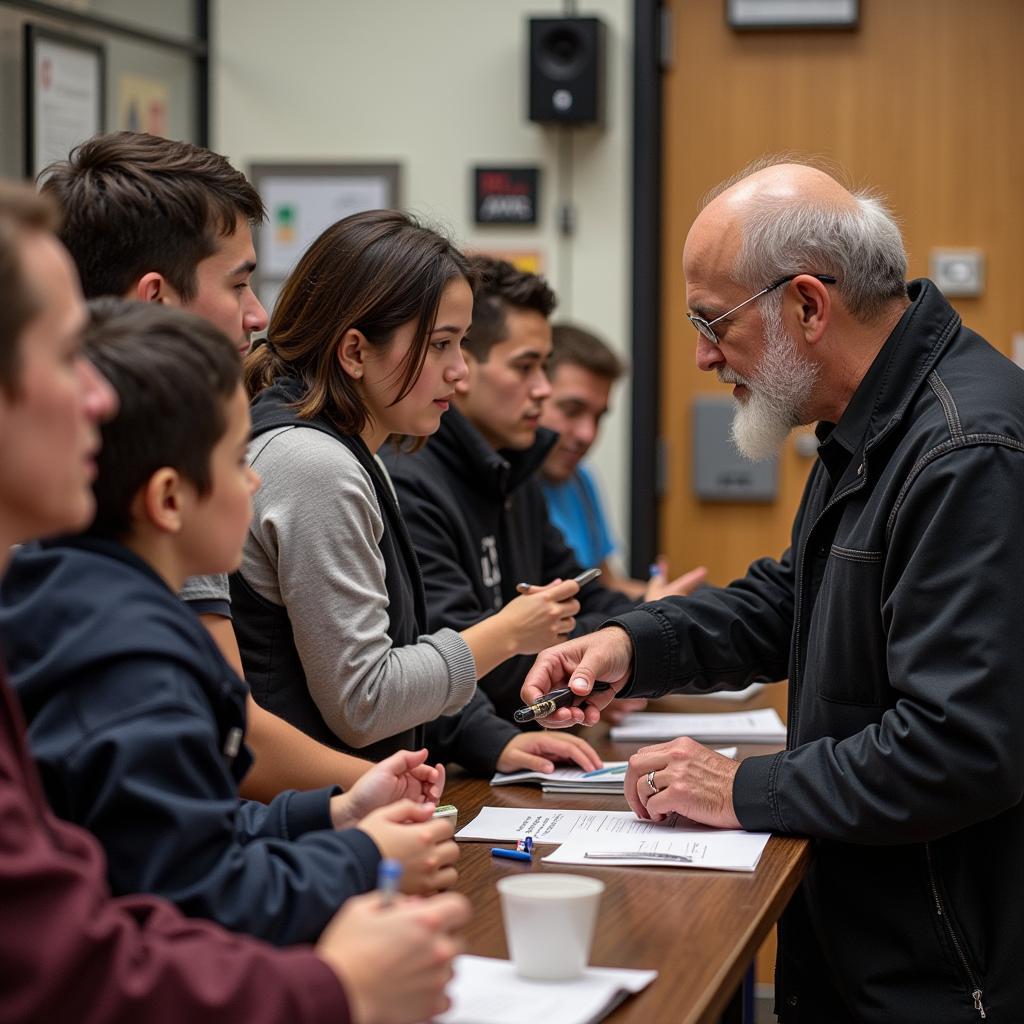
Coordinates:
(909, 354)
(463, 449)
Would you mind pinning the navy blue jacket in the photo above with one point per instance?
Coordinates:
(137, 723)
(895, 615)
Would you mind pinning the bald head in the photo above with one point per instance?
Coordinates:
(789, 218)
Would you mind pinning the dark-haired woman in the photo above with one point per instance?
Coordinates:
(364, 343)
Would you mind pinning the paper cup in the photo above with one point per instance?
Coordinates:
(549, 922)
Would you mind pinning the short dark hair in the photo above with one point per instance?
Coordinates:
(373, 271)
(174, 374)
(500, 285)
(21, 211)
(574, 346)
(134, 203)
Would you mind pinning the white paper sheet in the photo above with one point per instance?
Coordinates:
(737, 696)
(721, 849)
(488, 991)
(760, 726)
(507, 824)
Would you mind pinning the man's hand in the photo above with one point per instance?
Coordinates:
(537, 751)
(659, 587)
(690, 779)
(395, 961)
(405, 832)
(402, 776)
(606, 655)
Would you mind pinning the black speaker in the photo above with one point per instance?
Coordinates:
(567, 70)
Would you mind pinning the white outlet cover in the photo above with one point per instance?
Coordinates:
(959, 273)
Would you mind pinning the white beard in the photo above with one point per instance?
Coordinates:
(778, 393)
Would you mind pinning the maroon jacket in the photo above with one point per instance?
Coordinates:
(70, 952)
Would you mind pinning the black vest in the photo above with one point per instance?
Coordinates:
(265, 639)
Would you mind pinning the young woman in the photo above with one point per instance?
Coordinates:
(365, 343)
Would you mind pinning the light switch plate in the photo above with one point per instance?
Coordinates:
(959, 273)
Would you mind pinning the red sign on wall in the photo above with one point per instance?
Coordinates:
(506, 195)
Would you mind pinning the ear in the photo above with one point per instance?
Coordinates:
(812, 305)
(160, 501)
(154, 287)
(352, 352)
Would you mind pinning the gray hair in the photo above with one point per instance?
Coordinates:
(861, 246)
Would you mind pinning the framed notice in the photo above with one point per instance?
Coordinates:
(304, 199)
(65, 101)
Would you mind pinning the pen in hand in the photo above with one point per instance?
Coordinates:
(555, 699)
(389, 874)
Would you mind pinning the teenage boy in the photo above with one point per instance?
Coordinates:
(69, 950)
(582, 370)
(135, 718)
(162, 221)
(478, 473)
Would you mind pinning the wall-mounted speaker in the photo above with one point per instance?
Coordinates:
(566, 71)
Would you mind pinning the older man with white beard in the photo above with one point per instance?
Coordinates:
(895, 612)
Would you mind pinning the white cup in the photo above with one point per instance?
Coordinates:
(549, 922)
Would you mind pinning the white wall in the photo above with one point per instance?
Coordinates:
(440, 86)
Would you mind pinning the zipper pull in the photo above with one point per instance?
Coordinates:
(977, 1003)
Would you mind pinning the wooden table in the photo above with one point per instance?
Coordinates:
(699, 928)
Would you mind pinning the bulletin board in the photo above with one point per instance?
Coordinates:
(304, 199)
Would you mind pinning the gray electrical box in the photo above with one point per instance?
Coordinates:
(720, 472)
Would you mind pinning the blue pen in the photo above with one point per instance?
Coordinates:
(496, 851)
(654, 569)
(389, 874)
(615, 769)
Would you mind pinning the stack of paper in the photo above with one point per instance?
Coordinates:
(488, 991)
(570, 780)
(507, 824)
(761, 726)
(607, 779)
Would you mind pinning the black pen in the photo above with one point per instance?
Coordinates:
(554, 700)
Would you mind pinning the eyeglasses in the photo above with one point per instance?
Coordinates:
(706, 327)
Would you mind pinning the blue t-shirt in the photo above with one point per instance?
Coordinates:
(575, 508)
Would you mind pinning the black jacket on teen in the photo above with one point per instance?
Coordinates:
(474, 737)
(137, 724)
(480, 525)
(895, 615)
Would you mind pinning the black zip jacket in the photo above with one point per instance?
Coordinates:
(480, 525)
(474, 737)
(137, 724)
(894, 614)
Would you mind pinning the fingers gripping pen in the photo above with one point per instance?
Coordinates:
(555, 699)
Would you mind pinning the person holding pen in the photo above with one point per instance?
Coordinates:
(478, 475)
(332, 622)
(582, 370)
(895, 614)
(68, 949)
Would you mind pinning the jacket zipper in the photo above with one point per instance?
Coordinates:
(976, 992)
(795, 677)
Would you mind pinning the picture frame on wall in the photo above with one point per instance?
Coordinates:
(302, 199)
(65, 94)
